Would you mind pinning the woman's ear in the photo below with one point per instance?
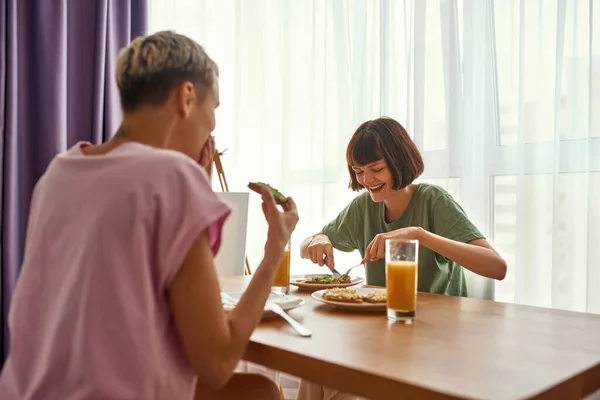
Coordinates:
(186, 96)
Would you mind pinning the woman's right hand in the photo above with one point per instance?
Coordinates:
(320, 251)
(281, 224)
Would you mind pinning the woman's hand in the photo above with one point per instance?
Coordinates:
(281, 224)
(207, 154)
(320, 251)
(376, 249)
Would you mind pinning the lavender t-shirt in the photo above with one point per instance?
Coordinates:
(89, 318)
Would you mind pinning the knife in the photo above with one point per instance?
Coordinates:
(334, 271)
(276, 308)
(298, 327)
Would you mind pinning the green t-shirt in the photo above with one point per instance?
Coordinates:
(431, 208)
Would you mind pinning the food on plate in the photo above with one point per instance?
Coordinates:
(257, 186)
(378, 296)
(326, 279)
(343, 295)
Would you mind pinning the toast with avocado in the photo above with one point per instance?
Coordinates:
(257, 186)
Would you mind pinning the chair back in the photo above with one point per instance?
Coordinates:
(229, 261)
(479, 287)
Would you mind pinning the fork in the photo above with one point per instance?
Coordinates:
(335, 272)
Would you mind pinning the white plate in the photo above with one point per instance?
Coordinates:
(354, 280)
(364, 306)
(285, 301)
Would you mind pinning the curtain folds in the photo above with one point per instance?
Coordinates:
(57, 87)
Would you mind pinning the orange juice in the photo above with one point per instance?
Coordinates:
(401, 285)
(283, 272)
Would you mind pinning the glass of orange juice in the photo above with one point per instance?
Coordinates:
(281, 284)
(401, 267)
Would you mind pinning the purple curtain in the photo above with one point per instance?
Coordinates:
(57, 87)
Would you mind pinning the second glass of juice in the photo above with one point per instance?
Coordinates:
(401, 267)
(281, 284)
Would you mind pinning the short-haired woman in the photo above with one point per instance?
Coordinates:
(118, 297)
(383, 160)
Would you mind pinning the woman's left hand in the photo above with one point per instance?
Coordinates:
(376, 249)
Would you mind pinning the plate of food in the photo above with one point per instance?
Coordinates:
(361, 299)
(285, 301)
(324, 281)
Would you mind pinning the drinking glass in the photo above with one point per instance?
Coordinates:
(281, 284)
(401, 267)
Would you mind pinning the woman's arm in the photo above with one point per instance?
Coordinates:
(212, 340)
(340, 233)
(477, 255)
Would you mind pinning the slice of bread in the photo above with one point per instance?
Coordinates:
(343, 295)
(378, 296)
(257, 186)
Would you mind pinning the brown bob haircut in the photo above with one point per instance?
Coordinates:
(384, 138)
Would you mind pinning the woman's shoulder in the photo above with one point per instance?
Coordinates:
(362, 201)
(157, 172)
(432, 193)
(166, 164)
(165, 156)
(438, 200)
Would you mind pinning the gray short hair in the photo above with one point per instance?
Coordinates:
(150, 67)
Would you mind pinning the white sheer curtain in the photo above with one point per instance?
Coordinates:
(500, 96)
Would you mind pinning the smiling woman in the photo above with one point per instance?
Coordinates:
(382, 145)
(383, 159)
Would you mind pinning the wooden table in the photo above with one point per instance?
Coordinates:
(457, 348)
